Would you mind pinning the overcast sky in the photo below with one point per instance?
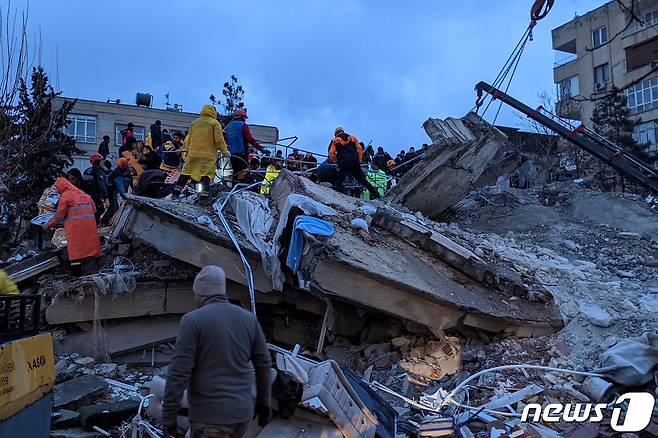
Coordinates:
(377, 68)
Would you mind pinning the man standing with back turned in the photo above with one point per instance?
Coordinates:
(346, 152)
(219, 346)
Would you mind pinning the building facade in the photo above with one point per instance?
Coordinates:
(608, 47)
(90, 120)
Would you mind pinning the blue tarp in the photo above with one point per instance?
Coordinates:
(312, 225)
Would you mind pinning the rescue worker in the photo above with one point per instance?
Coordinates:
(156, 135)
(127, 132)
(118, 182)
(150, 159)
(378, 179)
(381, 158)
(170, 157)
(346, 152)
(75, 209)
(202, 144)
(7, 285)
(238, 137)
(271, 174)
(104, 146)
(218, 348)
(95, 184)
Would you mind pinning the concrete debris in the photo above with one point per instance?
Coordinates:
(551, 276)
(462, 150)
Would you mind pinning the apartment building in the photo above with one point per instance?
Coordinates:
(607, 47)
(91, 120)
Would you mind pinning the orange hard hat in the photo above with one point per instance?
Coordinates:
(240, 113)
(390, 164)
(122, 162)
(95, 158)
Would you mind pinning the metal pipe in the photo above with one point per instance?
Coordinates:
(245, 263)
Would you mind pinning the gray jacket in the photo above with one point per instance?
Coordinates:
(219, 346)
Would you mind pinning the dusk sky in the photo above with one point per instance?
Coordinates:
(377, 68)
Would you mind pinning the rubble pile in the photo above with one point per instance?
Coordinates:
(401, 309)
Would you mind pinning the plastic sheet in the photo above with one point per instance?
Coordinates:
(631, 361)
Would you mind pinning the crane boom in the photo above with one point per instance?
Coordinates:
(611, 154)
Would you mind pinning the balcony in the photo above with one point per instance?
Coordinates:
(562, 58)
(569, 109)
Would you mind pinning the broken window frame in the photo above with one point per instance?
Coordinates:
(645, 133)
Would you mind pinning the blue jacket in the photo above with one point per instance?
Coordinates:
(235, 137)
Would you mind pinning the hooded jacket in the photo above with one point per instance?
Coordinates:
(204, 140)
(76, 210)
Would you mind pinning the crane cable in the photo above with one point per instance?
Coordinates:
(538, 11)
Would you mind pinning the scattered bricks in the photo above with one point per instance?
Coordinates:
(78, 392)
(423, 370)
(385, 361)
(588, 430)
(65, 418)
(108, 414)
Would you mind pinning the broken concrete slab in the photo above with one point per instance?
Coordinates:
(121, 337)
(65, 418)
(106, 415)
(385, 272)
(78, 391)
(173, 229)
(460, 155)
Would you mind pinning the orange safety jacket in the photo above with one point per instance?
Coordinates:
(345, 147)
(76, 210)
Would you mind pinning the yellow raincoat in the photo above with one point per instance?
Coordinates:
(7, 285)
(270, 176)
(202, 143)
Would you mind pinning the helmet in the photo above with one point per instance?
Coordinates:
(390, 164)
(122, 162)
(95, 158)
(338, 130)
(240, 113)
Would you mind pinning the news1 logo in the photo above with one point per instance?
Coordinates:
(638, 412)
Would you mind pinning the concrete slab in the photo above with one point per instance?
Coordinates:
(77, 392)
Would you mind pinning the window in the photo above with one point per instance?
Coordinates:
(602, 73)
(600, 36)
(139, 132)
(81, 127)
(643, 96)
(645, 133)
(650, 18)
(569, 87)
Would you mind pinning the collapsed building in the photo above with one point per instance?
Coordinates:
(406, 303)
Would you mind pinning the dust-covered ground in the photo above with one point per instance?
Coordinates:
(597, 253)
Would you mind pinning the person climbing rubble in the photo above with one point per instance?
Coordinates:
(239, 138)
(118, 182)
(271, 174)
(219, 346)
(345, 151)
(202, 144)
(7, 285)
(378, 179)
(95, 184)
(76, 210)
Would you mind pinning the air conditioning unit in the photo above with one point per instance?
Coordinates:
(600, 86)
